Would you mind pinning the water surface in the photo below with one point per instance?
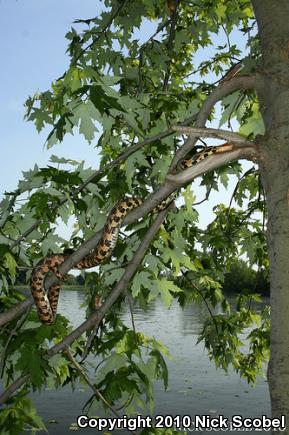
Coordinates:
(195, 386)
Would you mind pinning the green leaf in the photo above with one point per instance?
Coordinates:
(31, 361)
(66, 210)
(128, 342)
(10, 263)
(40, 118)
(254, 124)
(164, 287)
(142, 278)
(86, 114)
(161, 362)
(229, 103)
(189, 198)
(62, 160)
(102, 101)
(114, 362)
(160, 167)
(134, 162)
(113, 276)
(22, 413)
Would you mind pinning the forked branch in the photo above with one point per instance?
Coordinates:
(96, 318)
(173, 181)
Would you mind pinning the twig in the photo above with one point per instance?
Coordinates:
(217, 58)
(205, 301)
(93, 334)
(208, 307)
(141, 52)
(170, 46)
(126, 403)
(101, 32)
(235, 107)
(80, 370)
(227, 36)
(250, 171)
(16, 311)
(89, 342)
(130, 304)
(12, 201)
(206, 196)
(120, 266)
(17, 326)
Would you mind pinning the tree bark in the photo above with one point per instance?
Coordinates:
(273, 18)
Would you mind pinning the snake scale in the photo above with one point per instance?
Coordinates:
(46, 304)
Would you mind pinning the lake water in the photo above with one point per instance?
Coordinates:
(195, 386)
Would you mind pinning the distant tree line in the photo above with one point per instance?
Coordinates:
(240, 277)
(21, 279)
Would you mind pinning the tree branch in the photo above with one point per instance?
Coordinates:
(82, 373)
(214, 132)
(16, 311)
(131, 150)
(172, 181)
(213, 162)
(226, 88)
(205, 302)
(12, 334)
(141, 52)
(151, 202)
(170, 47)
(250, 171)
(100, 34)
(96, 317)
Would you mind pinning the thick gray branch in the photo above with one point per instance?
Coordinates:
(213, 132)
(130, 150)
(87, 247)
(213, 162)
(171, 184)
(95, 318)
(16, 311)
(226, 88)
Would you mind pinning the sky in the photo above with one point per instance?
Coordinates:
(32, 47)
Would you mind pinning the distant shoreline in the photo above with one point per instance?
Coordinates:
(63, 287)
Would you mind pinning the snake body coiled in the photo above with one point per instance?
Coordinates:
(46, 304)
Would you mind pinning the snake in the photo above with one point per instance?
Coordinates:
(46, 303)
